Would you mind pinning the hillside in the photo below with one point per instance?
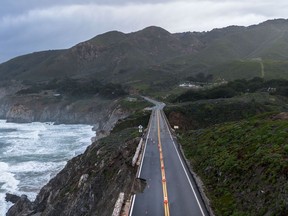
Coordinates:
(111, 57)
(225, 48)
(236, 141)
(243, 165)
(152, 54)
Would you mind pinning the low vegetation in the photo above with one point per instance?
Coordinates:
(243, 165)
(134, 103)
(237, 87)
(76, 88)
(235, 137)
(138, 118)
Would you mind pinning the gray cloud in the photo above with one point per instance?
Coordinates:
(36, 25)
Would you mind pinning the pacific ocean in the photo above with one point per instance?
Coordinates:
(31, 154)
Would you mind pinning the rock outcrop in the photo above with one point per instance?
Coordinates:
(23, 206)
(20, 113)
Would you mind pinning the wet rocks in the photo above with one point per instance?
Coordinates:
(11, 198)
(23, 206)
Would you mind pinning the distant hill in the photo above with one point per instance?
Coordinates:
(153, 56)
(112, 56)
(229, 52)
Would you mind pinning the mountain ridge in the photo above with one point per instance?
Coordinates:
(91, 182)
(118, 57)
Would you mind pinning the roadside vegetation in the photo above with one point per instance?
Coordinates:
(235, 88)
(140, 116)
(235, 137)
(243, 165)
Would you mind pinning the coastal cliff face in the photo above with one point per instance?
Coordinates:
(90, 183)
(19, 113)
(96, 110)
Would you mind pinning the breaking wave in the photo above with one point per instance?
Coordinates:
(31, 154)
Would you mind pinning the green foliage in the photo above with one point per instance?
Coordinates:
(206, 113)
(112, 90)
(200, 77)
(116, 138)
(134, 120)
(243, 165)
(234, 88)
(134, 103)
(236, 69)
(77, 88)
(221, 92)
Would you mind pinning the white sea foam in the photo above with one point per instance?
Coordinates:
(7, 178)
(30, 154)
(4, 206)
(34, 166)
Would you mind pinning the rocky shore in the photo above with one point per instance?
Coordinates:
(89, 184)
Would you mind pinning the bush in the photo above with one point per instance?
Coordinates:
(221, 92)
(235, 88)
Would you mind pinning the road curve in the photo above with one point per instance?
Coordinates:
(170, 188)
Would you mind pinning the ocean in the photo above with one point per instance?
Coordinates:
(31, 154)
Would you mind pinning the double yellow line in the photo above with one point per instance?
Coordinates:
(164, 183)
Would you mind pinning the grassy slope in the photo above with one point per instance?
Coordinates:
(273, 69)
(242, 159)
(138, 116)
(229, 53)
(237, 70)
(204, 113)
(244, 165)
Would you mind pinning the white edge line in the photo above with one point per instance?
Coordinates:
(140, 168)
(184, 169)
(132, 205)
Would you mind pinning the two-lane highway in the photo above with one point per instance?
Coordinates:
(170, 189)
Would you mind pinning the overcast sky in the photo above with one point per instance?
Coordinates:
(32, 25)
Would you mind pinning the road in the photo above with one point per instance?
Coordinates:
(170, 188)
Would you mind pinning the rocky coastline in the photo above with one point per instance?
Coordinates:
(83, 173)
(88, 185)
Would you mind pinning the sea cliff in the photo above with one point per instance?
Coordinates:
(89, 184)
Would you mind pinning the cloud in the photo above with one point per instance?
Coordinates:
(33, 26)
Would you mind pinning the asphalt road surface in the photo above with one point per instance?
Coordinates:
(170, 188)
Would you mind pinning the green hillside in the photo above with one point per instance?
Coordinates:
(152, 57)
(111, 57)
(243, 165)
(233, 52)
(235, 137)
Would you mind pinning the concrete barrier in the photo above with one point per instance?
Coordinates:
(137, 153)
(118, 205)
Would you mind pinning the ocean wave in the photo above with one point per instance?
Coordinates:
(7, 178)
(31, 154)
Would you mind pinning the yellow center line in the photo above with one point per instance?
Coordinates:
(164, 183)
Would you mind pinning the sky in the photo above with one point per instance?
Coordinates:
(28, 26)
